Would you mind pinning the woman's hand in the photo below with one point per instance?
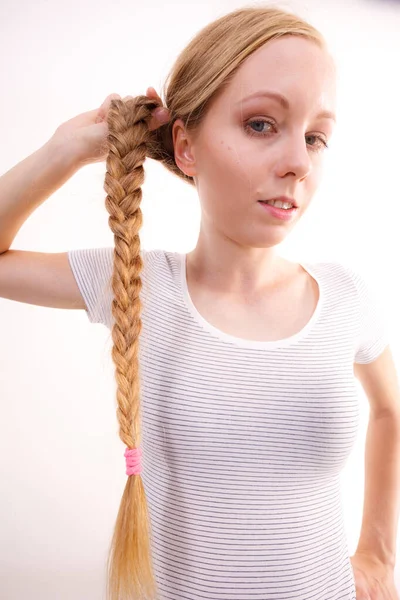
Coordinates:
(161, 115)
(374, 580)
(86, 134)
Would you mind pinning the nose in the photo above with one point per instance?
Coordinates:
(295, 158)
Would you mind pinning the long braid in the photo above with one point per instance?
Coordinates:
(130, 561)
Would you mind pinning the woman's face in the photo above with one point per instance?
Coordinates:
(260, 148)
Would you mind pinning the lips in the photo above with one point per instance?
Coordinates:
(282, 199)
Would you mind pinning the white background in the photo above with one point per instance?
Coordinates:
(61, 460)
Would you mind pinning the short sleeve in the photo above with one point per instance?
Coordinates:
(373, 335)
(92, 269)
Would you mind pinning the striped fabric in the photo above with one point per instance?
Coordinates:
(244, 441)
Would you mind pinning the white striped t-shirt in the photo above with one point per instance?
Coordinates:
(244, 441)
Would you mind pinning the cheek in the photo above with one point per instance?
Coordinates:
(226, 175)
(229, 163)
(316, 175)
(310, 186)
(222, 148)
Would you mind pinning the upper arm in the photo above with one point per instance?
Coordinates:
(373, 361)
(380, 383)
(43, 279)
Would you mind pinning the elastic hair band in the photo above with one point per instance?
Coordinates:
(133, 458)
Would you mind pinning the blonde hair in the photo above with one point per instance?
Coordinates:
(199, 75)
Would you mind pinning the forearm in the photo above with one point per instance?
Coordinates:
(382, 489)
(28, 184)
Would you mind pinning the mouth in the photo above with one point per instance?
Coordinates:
(286, 199)
(283, 214)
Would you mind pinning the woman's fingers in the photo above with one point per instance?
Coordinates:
(160, 114)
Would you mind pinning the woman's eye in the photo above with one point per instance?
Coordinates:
(321, 142)
(258, 122)
(316, 142)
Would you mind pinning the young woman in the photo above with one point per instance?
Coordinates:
(237, 364)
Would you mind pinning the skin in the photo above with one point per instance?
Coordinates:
(233, 168)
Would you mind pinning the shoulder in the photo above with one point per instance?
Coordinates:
(333, 272)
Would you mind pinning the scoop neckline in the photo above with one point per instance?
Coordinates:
(242, 342)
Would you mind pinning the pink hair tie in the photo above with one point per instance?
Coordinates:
(133, 459)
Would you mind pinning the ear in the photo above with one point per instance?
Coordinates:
(183, 149)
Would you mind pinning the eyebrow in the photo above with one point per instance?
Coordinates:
(284, 102)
